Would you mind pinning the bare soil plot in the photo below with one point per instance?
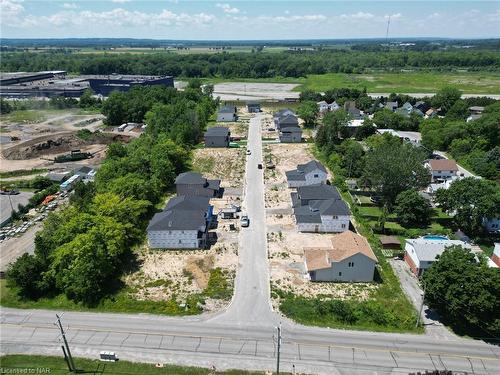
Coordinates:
(255, 91)
(226, 164)
(167, 274)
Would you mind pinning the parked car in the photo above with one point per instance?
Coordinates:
(9, 192)
(259, 166)
(244, 221)
(249, 152)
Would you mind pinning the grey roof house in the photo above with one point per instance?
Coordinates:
(192, 184)
(227, 113)
(183, 224)
(391, 106)
(311, 173)
(320, 208)
(253, 107)
(217, 136)
(290, 134)
(350, 108)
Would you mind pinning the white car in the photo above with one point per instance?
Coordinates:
(249, 152)
(244, 221)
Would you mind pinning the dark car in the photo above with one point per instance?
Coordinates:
(9, 192)
(259, 166)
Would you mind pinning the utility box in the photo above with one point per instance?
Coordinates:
(108, 356)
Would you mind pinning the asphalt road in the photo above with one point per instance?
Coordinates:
(244, 336)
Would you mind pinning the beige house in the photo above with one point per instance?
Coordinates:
(349, 259)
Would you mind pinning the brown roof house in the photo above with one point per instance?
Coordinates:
(442, 169)
(349, 259)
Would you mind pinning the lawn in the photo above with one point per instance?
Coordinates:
(29, 116)
(404, 82)
(31, 364)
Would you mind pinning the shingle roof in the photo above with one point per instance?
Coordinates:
(227, 109)
(343, 246)
(322, 207)
(428, 250)
(318, 192)
(292, 129)
(443, 165)
(190, 203)
(177, 220)
(217, 131)
(295, 176)
(192, 178)
(289, 119)
(311, 166)
(284, 112)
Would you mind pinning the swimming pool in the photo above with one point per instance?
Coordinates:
(435, 237)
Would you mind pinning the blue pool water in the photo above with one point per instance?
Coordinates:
(435, 237)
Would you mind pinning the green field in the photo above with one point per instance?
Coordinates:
(405, 82)
(33, 364)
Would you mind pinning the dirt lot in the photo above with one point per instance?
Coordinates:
(285, 243)
(254, 91)
(226, 164)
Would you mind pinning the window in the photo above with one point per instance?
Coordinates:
(351, 264)
(316, 175)
(340, 273)
(343, 226)
(335, 217)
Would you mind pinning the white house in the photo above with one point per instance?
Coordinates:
(311, 173)
(320, 209)
(323, 106)
(442, 169)
(421, 252)
(183, 224)
(86, 173)
(334, 107)
(227, 113)
(349, 259)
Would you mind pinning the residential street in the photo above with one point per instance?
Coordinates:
(244, 336)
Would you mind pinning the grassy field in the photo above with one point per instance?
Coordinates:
(122, 302)
(405, 82)
(31, 364)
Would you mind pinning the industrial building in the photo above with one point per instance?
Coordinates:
(57, 83)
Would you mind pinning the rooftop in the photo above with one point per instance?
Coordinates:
(193, 178)
(177, 220)
(428, 250)
(318, 192)
(443, 165)
(343, 246)
(217, 131)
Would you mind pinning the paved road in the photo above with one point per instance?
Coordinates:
(244, 335)
(425, 95)
(250, 302)
(409, 284)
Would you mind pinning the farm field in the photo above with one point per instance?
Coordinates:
(406, 82)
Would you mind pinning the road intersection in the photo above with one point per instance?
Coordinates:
(244, 335)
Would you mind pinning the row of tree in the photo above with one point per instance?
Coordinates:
(83, 249)
(248, 65)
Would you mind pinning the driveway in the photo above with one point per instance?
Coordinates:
(413, 291)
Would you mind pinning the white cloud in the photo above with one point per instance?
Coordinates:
(70, 6)
(121, 1)
(393, 16)
(11, 8)
(121, 18)
(226, 8)
(358, 16)
(295, 18)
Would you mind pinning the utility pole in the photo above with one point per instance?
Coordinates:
(67, 353)
(279, 349)
(421, 307)
(387, 31)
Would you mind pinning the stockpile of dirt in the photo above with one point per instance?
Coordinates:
(54, 144)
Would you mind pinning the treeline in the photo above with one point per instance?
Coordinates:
(475, 144)
(83, 249)
(249, 65)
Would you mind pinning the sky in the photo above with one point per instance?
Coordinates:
(248, 20)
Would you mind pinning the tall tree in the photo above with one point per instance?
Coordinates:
(308, 111)
(412, 209)
(464, 291)
(472, 200)
(394, 166)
